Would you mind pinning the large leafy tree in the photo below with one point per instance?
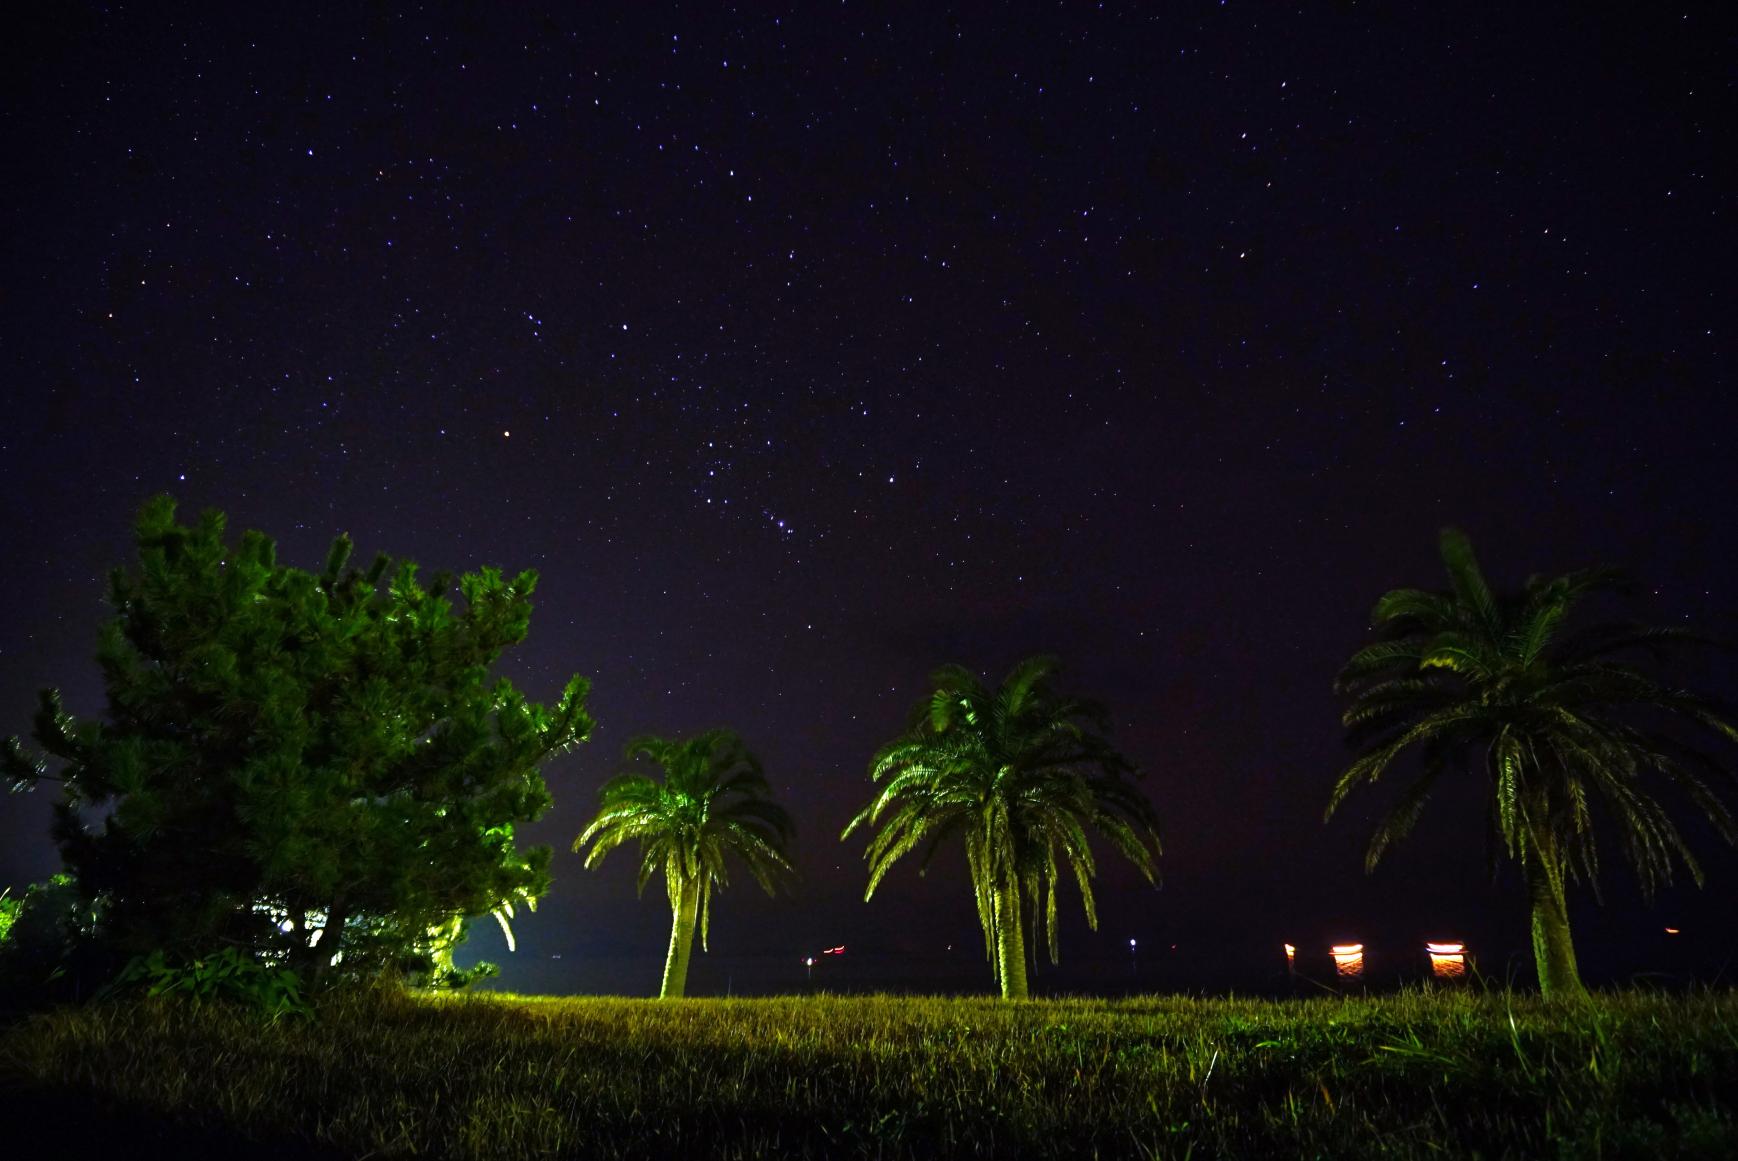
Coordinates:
(1020, 774)
(315, 767)
(1553, 717)
(712, 800)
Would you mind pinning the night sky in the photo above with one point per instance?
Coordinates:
(804, 349)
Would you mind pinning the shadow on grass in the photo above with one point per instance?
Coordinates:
(68, 1127)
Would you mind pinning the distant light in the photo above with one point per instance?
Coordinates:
(1131, 943)
(1447, 960)
(506, 434)
(1671, 931)
(1349, 960)
(1290, 951)
(1347, 949)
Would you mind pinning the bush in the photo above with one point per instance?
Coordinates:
(229, 976)
(48, 951)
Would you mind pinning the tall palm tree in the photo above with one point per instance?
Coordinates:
(1018, 773)
(1554, 720)
(713, 799)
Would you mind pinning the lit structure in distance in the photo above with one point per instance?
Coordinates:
(1348, 960)
(1447, 960)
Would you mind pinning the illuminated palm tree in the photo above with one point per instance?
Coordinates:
(1018, 774)
(713, 800)
(1553, 720)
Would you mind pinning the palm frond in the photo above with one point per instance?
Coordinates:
(1019, 775)
(1506, 688)
(713, 799)
(1468, 580)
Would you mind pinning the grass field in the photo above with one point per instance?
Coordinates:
(1418, 1074)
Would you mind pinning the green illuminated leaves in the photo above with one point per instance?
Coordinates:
(309, 742)
(1019, 774)
(712, 800)
(1553, 720)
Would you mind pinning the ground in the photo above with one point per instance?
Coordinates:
(1415, 1074)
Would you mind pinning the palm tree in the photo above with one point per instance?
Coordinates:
(713, 799)
(1553, 719)
(1019, 774)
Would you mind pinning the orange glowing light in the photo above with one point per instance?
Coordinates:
(1671, 931)
(1348, 960)
(1447, 960)
(1290, 951)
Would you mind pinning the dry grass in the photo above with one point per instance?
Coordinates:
(1416, 1074)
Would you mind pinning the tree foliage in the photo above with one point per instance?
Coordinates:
(1019, 774)
(47, 953)
(1555, 718)
(712, 800)
(316, 768)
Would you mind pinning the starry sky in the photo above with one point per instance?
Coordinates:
(802, 349)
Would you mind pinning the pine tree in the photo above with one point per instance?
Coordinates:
(315, 767)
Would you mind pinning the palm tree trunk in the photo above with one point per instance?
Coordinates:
(1553, 947)
(1010, 942)
(687, 900)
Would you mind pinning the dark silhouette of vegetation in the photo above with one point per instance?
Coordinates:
(1553, 719)
(313, 768)
(48, 952)
(1018, 774)
(713, 800)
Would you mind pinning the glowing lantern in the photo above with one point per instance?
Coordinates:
(1290, 958)
(1348, 960)
(1447, 960)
